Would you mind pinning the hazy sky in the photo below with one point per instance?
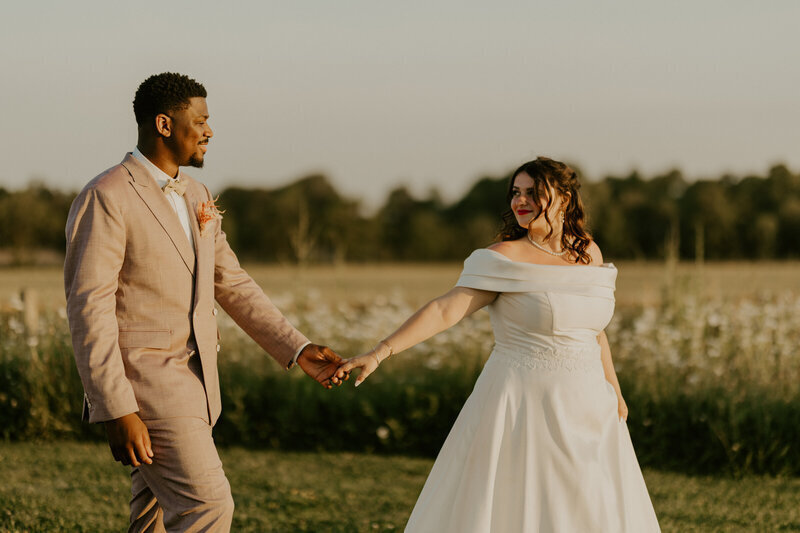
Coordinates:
(433, 93)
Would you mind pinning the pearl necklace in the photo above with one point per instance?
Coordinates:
(542, 248)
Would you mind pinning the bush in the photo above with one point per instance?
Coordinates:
(712, 386)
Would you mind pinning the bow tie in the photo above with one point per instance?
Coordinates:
(177, 186)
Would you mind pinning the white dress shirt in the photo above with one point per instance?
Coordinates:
(179, 205)
(177, 202)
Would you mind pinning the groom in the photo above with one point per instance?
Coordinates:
(146, 259)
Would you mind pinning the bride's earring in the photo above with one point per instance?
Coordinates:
(562, 217)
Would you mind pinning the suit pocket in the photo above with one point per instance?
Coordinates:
(144, 338)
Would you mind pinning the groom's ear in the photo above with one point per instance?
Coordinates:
(163, 125)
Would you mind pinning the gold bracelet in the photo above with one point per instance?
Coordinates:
(391, 350)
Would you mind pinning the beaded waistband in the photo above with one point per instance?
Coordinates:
(583, 358)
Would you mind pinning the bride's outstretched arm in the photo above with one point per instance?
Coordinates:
(611, 374)
(432, 318)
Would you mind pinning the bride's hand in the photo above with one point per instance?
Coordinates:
(622, 408)
(367, 362)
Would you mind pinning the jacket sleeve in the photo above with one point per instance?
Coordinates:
(95, 252)
(242, 298)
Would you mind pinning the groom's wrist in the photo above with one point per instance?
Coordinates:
(297, 355)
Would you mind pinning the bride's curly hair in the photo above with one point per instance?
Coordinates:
(546, 174)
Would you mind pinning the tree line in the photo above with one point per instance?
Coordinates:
(309, 221)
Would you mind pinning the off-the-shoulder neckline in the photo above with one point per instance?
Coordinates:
(604, 265)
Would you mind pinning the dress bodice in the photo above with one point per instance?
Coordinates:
(543, 308)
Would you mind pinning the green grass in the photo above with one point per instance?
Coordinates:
(66, 486)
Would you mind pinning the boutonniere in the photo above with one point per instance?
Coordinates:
(207, 212)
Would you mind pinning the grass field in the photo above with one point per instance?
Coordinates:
(66, 486)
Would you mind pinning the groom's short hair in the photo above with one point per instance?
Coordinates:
(162, 93)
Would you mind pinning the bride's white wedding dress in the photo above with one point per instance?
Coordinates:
(538, 446)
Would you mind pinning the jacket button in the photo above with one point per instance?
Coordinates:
(218, 347)
(214, 311)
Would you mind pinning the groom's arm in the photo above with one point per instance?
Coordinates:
(95, 252)
(242, 298)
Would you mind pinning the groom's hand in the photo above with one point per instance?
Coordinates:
(321, 363)
(129, 440)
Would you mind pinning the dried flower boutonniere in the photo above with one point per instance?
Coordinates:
(208, 211)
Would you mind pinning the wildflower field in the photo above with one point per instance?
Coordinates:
(707, 358)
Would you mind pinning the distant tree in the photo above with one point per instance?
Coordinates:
(707, 203)
(399, 235)
(788, 238)
(475, 219)
(784, 194)
(308, 220)
(33, 218)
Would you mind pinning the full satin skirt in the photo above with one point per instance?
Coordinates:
(536, 450)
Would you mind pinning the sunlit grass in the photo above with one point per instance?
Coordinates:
(64, 486)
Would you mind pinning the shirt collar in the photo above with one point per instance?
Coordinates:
(159, 175)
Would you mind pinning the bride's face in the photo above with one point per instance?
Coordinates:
(527, 208)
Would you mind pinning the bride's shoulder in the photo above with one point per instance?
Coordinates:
(594, 252)
(510, 249)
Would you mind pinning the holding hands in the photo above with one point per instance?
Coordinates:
(367, 363)
(327, 368)
(320, 363)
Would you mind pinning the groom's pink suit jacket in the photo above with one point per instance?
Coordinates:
(140, 300)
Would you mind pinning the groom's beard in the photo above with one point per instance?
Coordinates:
(195, 162)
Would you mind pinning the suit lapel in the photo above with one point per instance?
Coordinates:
(146, 187)
(203, 244)
(194, 198)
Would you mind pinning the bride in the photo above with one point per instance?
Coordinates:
(541, 445)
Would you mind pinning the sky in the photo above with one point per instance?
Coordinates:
(432, 94)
